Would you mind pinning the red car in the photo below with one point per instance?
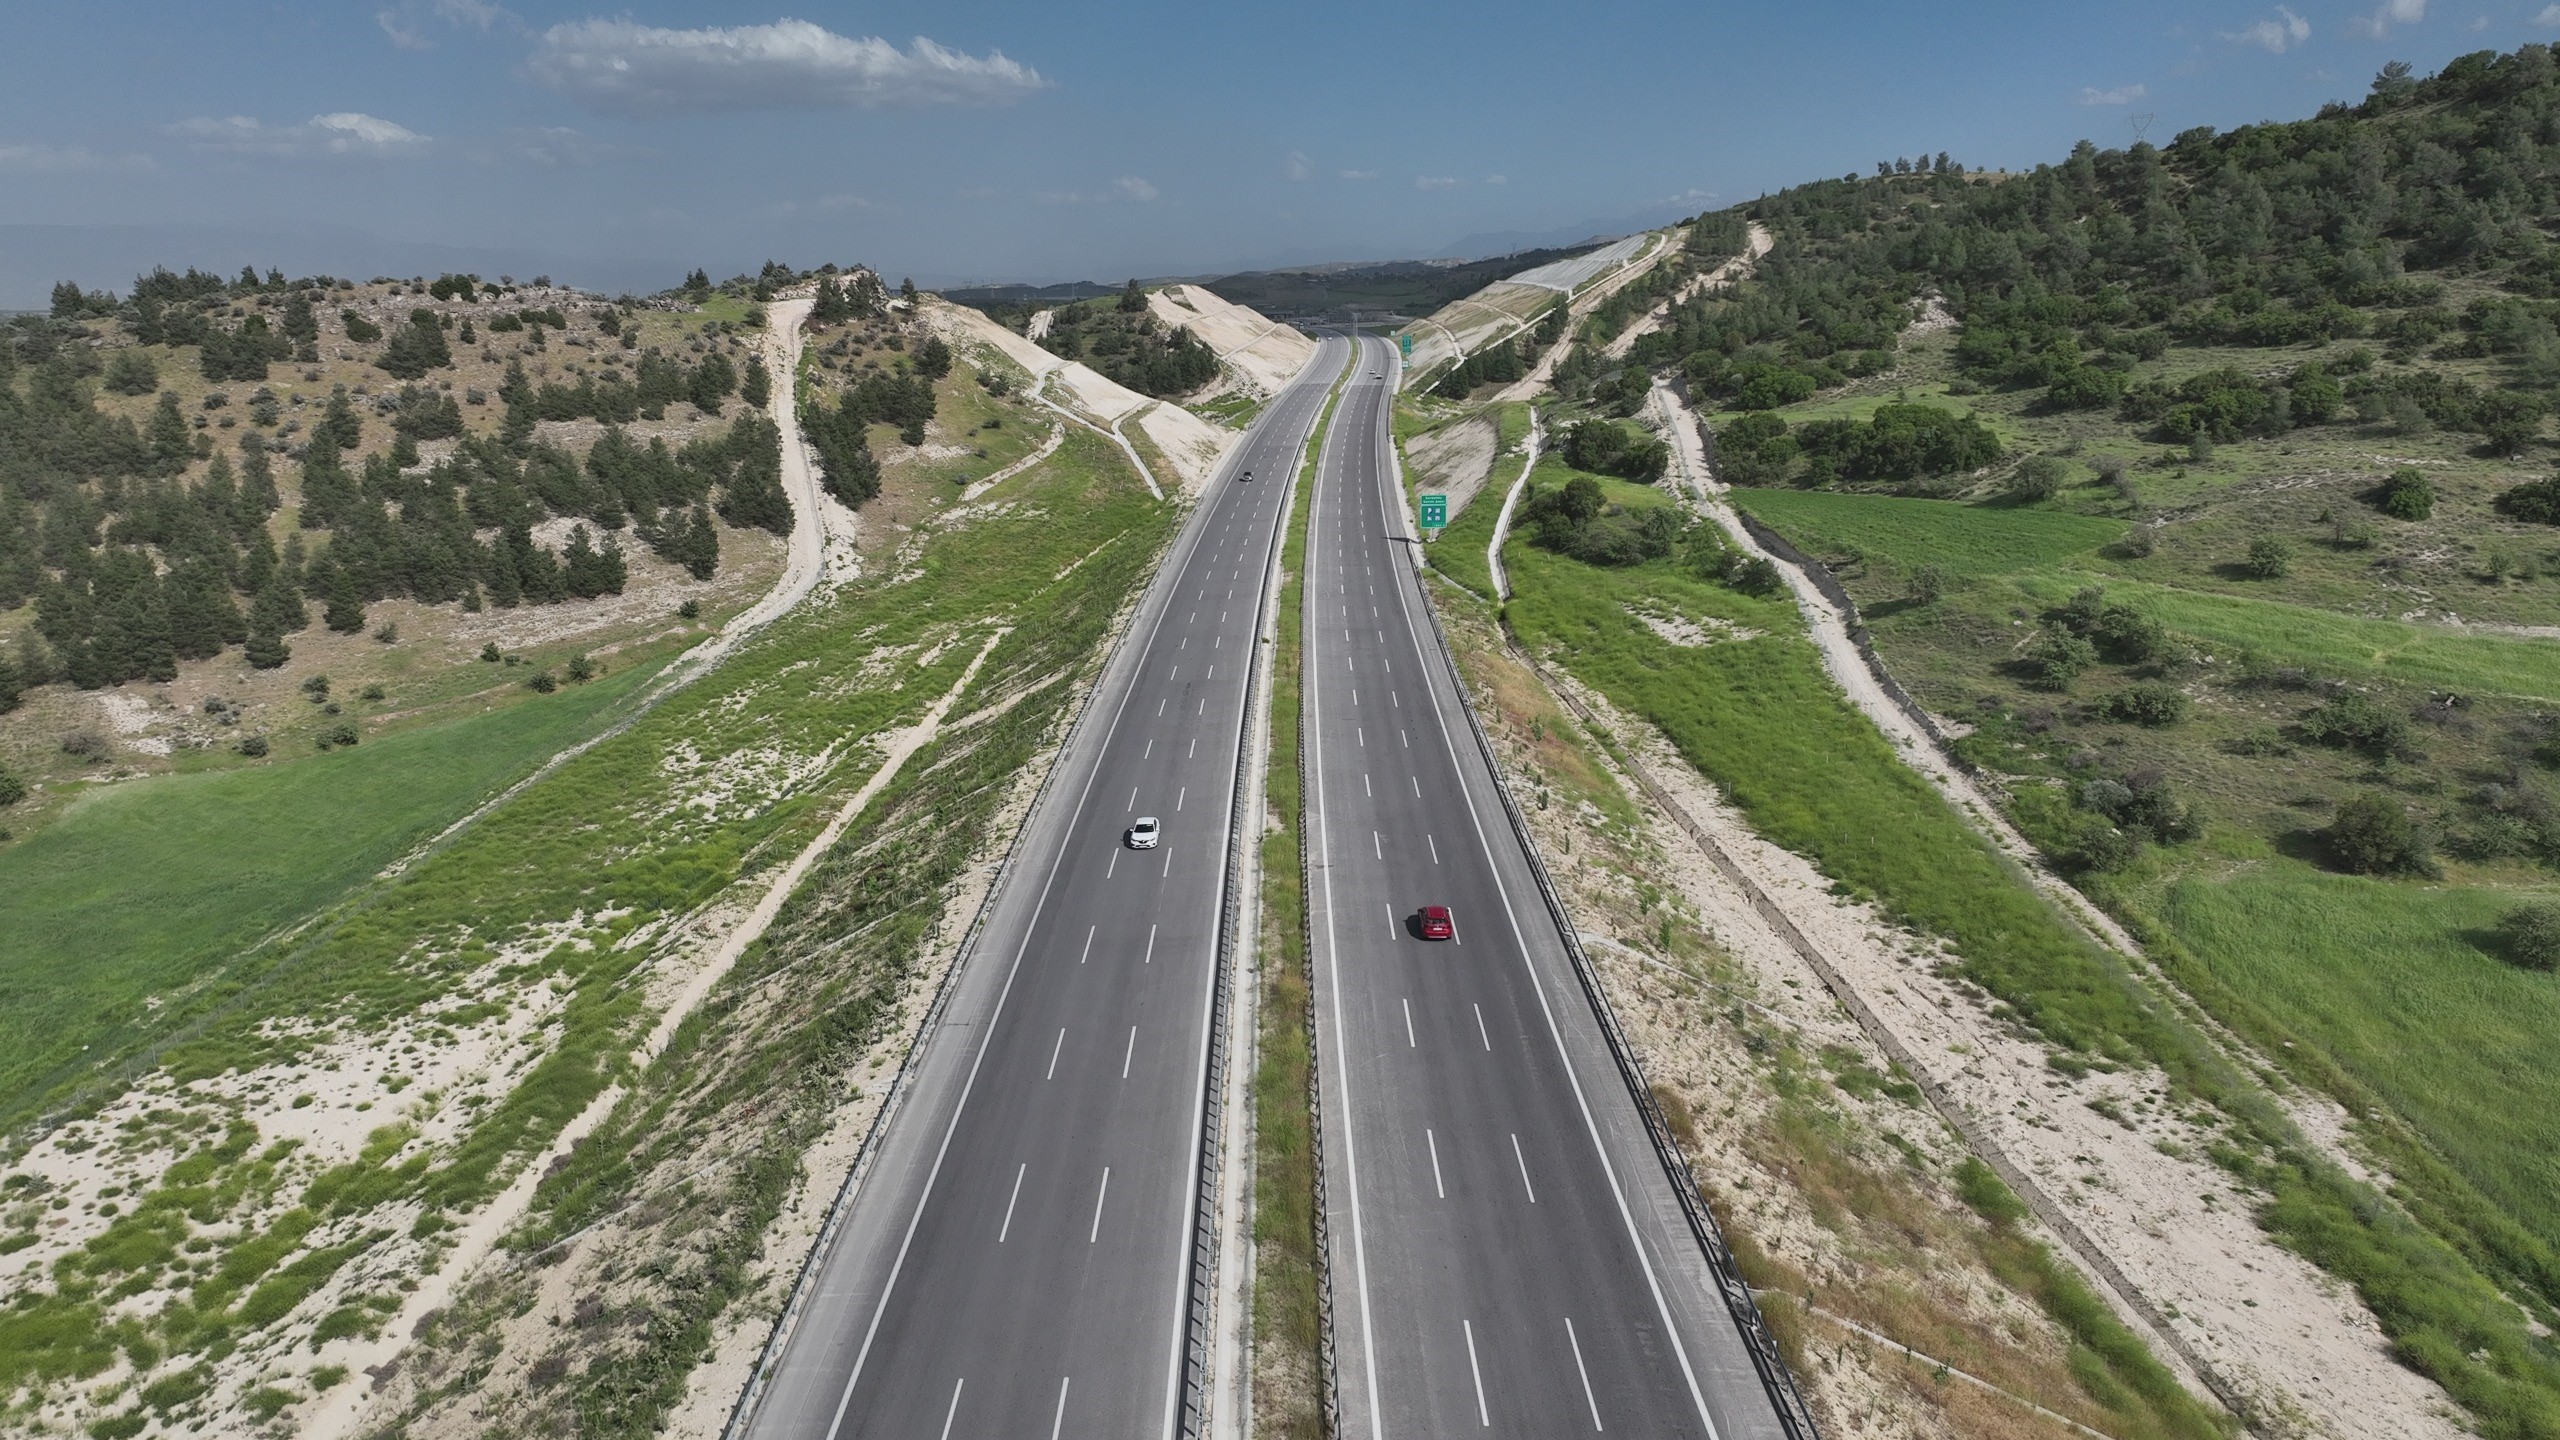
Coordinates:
(1436, 924)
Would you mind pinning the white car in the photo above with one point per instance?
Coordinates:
(1142, 836)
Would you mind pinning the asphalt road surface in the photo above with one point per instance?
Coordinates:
(1017, 1259)
(1508, 1255)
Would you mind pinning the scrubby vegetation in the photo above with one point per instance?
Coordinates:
(149, 529)
(2224, 597)
(1120, 338)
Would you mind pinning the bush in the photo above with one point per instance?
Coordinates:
(2406, 495)
(130, 372)
(340, 734)
(253, 746)
(2038, 477)
(2373, 835)
(12, 789)
(1928, 584)
(541, 683)
(2058, 657)
(2537, 501)
(2357, 722)
(2269, 559)
(2151, 703)
(2530, 936)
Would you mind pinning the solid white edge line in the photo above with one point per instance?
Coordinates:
(1432, 680)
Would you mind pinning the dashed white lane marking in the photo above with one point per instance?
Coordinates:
(1011, 1201)
(1484, 1417)
(1524, 1170)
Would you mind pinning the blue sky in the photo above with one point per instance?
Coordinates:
(969, 138)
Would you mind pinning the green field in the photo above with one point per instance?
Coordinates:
(142, 890)
(2382, 977)
(1959, 538)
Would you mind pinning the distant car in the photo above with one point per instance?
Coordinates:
(1142, 836)
(1247, 475)
(1436, 924)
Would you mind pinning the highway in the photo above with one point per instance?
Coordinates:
(1017, 1257)
(1507, 1253)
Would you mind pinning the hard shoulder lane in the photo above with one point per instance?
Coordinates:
(1016, 1259)
(1507, 1254)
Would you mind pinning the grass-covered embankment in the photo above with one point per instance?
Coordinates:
(152, 890)
(1758, 717)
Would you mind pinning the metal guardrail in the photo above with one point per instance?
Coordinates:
(1793, 1416)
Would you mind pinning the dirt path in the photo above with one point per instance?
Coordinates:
(340, 1414)
(1048, 447)
(815, 536)
(1511, 502)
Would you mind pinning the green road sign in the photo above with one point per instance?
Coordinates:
(1407, 342)
(1435, 512)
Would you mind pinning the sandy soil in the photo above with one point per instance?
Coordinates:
(1260, 352)
(2113, 1160)
(1190, 445)
(1455, 459)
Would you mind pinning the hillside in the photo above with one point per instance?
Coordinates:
(2201, 495)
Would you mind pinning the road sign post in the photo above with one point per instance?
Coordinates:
(1405, 341)
(1435, 513)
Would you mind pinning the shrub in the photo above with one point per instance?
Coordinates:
(2406, 495)
(2537, 501)
(342, 733)
(2373, 835)
(2058, 657)
(12, 789)
(2530, 935)
(582, 669)
(253, 746)
(130, 372)
(1928, 584)
(541, 683)
(2150, 703)
(2038, 477)
(689, 610)
(2269, 559)
(2357, 722)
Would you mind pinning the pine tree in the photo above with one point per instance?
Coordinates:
(754, 386)
(339, 425)
(753, 496)
(267, 650)
(517, 393)
(700, 550)
(346, 600)
(67, 300)
(278, 609)
(327, 490)
(713, 379)
(907, 292)
(202, 617)
(167, 435)
(258, 497)
(933, 358)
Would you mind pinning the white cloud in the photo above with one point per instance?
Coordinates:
(620, 67)
(2121, 95)
(34, 155)
(1359, 174)
(343, 132)
(1436, 182)
(843, 202)
(1497, 179)
(557, 145)
(2549, 18)
(2275, 36)
(402, 22)
(1127, 189)
(1298, 166)
(2388, 14)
